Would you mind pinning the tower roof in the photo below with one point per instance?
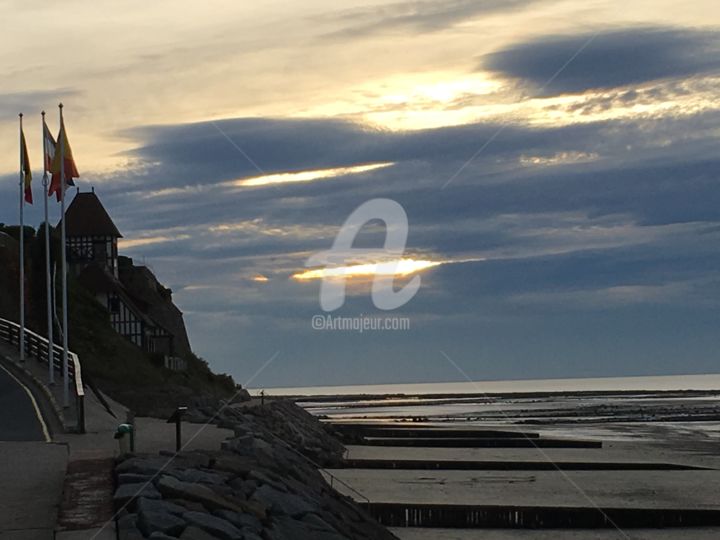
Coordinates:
(86, 216)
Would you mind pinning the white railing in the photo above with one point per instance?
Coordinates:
(38, 346)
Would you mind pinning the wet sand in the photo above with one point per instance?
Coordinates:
(675, 427)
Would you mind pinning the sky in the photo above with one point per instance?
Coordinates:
(557, 162)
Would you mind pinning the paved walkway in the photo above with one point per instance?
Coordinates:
(33, 472)
(32, 479)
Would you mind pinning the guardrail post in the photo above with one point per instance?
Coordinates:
(81, 414)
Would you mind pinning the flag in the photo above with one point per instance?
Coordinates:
(48, 146)
(62, 149)
(25, 168)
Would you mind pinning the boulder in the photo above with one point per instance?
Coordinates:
(158, 505)
(203, 477)
(164, 522)
(282, 503)
(315, 522)
(133, 478)
(214, 525)
(263, 478)
(173, 488)
(244, 522)
(194, 533)
(125, 493)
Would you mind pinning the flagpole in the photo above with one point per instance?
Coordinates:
(22, 245)
(66, 381)
(48, 281)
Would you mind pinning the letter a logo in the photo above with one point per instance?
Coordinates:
(332, 289)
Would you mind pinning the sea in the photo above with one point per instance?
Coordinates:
(659, 383)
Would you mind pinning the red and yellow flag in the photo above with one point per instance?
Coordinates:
(64, 152)
(25, 169)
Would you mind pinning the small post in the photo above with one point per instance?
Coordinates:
(176, 418)
(130, 419)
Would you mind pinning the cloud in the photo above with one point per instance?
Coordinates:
(600, 218)
(32, 102)
(424, 15)
(608, 59)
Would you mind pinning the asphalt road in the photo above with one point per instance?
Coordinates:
(20, 418)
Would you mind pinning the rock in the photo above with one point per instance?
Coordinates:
(315, 522)
(125, 493)
(242, 445)
(134, 478)
(152, 521)
(282, 503)
(214, 525)
(126, 522)
(188, 505)
(263, 489)
(162, 536)
(174, 488)
(241, 521)
(130, 534)
(202, 477)
(234, 464)
(262, 478)
(194, 533)
(154, 505)
(246, 487)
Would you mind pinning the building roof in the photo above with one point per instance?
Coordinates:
(86, 216)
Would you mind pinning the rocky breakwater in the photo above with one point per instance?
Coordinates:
(262, 485)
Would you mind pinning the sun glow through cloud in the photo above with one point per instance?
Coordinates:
(138, 242)
(398, 267)
(306, 176)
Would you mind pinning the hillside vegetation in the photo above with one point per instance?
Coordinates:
(109, 361)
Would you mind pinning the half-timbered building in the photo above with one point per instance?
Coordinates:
(92, 253)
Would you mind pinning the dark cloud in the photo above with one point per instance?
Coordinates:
(608, 59)
(424, 15)
(210, 153)
(640, 218)
(31, 103)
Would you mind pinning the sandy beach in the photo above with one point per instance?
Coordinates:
(554, 456)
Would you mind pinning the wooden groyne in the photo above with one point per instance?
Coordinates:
(429, 432)
(536, 517)
(468, 442)
(464, 465)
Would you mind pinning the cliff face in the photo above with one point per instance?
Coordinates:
(156, 301)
